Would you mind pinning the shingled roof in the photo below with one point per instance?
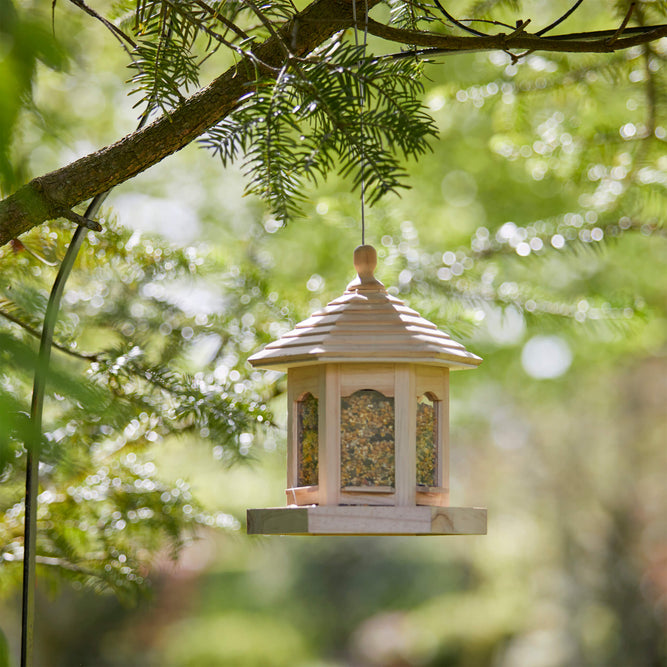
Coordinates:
(365, 324)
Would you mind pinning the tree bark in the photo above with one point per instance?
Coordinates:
(47, 197)
(601, 41)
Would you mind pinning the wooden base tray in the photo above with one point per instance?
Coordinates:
(367, 520)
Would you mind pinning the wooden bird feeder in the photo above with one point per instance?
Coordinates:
(368, 419)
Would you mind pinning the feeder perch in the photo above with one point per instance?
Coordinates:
(368, 419)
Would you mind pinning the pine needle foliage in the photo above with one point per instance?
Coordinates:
(310, 121)
(172, 35)
(411, 15)
(104, 509)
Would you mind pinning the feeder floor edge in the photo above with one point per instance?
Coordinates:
(367, 520)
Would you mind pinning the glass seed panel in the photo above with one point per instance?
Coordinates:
(307, 445)
(427, 441)
(367, 439)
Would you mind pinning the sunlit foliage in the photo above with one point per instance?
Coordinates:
(122, 379)
(534, 232)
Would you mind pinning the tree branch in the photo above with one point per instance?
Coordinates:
(559, 20)
(33, 332)
(64, 188)
(230, 25)
(458, 24)
(45, 197)
(587, 42)
(115, 30)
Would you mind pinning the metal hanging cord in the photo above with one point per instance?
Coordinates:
(361, 112)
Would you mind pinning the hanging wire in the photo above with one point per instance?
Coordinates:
(361, 113)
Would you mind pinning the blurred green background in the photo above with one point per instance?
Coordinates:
(533, 233)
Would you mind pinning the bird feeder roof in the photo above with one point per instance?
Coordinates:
(365, 325)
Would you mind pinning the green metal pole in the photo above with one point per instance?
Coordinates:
(34, 446)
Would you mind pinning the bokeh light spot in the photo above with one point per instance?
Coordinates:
(546, 357)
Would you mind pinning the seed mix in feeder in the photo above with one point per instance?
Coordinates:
(308, 442)
(426, 442)
(367, 439)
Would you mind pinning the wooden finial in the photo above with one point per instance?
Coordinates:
(365, 261)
